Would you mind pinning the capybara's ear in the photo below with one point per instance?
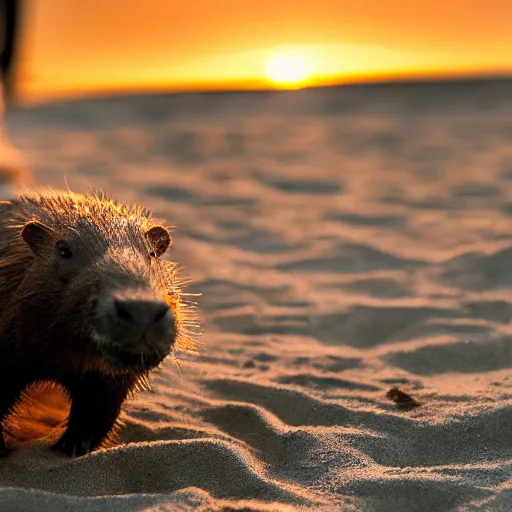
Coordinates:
(159, 239)
(37, 236)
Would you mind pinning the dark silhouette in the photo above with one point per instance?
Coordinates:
(10, 13)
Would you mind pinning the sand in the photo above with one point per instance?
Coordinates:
(346, 242)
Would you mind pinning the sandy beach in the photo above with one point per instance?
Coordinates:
(345, 241)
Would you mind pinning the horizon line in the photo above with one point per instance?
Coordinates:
(253, 86)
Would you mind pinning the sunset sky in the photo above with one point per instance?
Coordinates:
(97, 45)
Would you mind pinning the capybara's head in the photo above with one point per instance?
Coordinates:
(100, 265)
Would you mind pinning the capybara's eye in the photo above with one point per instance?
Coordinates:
(64, 250)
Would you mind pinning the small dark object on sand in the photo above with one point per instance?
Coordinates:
(402, 400)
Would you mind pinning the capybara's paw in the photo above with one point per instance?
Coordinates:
(5, 451)
(72, 447)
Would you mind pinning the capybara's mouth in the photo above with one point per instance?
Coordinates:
(129, 359)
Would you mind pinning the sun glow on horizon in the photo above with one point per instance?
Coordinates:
(288, 67)
(264, 45)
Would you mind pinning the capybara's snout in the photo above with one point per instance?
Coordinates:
(143, 313)
(138, 329)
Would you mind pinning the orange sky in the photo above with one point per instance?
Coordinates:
(132, 44)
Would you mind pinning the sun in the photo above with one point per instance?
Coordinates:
(288, 67)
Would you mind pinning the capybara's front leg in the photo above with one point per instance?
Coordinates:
(95, 406)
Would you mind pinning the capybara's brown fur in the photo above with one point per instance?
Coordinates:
(86, 301)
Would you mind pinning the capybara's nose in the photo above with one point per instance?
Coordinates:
(141, 312)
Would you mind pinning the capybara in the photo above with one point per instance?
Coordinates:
(86, 302)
